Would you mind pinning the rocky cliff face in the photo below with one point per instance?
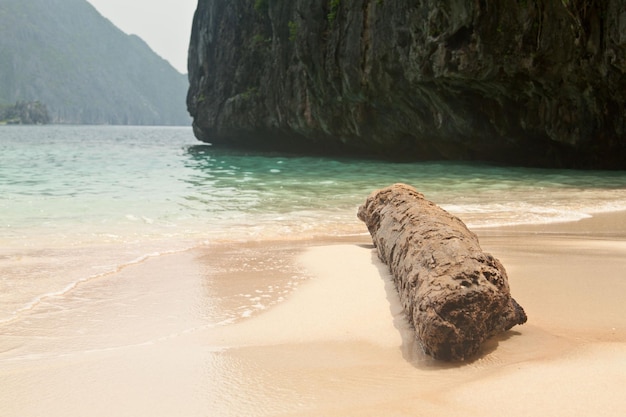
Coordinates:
(534, 82)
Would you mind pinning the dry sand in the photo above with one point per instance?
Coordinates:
(315, 329)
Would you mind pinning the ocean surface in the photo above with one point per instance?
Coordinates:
(78, 203)
(145, 273)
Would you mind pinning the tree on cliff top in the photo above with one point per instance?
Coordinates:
(25, 113)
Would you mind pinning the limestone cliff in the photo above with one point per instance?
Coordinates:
(535, 82)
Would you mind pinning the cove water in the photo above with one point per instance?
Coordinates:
(81, 202)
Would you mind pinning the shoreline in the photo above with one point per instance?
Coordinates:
(609, 224)
(576, 328)
(313, 327)
(569, 359)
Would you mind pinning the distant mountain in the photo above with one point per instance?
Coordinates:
(66, 55)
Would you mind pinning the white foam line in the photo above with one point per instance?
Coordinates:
(526, 222)
(73, 285)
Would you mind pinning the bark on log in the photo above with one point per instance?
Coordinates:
(454, 294)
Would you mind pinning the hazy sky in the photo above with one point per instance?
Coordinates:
(164, 24)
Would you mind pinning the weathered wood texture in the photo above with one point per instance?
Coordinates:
(455, 295)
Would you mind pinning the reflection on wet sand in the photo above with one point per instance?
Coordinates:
(315, 328)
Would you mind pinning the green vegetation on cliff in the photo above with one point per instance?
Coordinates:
(65, 54)
(25, 113)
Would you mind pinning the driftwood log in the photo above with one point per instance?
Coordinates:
(454, 294)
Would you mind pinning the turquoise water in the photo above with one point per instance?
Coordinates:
(77, 185)
(79, 202)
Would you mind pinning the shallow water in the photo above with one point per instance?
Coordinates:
(81, 202)
(96, 284)
(77, 185)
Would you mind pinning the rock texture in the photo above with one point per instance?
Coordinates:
(530, 82)
(455, 295)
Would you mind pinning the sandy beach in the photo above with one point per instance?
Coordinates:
(314, 328)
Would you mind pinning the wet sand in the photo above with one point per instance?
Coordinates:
(315, 329)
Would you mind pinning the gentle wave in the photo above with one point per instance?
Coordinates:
(86, 185)
(72, 285)
(513, 214)
(100, 198)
